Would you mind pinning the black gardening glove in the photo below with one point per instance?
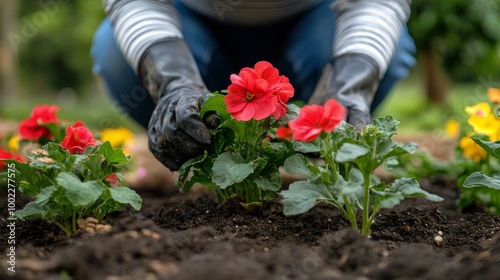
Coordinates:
(176, 133)
(352, 80)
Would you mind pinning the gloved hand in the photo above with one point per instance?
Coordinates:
(176, 133)
(352, 80)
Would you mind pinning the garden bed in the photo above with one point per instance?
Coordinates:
(189, 236)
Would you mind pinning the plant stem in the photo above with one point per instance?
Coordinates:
(365, 227)
(350, 213)
(62, 227)
(73, 220)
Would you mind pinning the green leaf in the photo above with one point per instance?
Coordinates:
(492, 148)
(383, 127)
(302, 196)
(186, 168)
(31, 209)
(215, 103)
(230, 168)
(269, 182)
(126, 195)
(79, 194)
(307, 147)
(400, 189)
(479, 179)
(34, 182)
(112, 155)
(352, 189)
(44, 196)
(350, 152)
(299, 164)
(55, 130)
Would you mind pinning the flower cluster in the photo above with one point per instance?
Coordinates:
(478, 147)
(482, 121)
(70, 173)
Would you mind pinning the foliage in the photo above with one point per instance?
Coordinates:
(243, 163)
(465, 33)
(347, 179)
(56, 41)
(71, 176)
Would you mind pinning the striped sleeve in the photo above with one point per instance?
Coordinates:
(370, 27)
(138, 24)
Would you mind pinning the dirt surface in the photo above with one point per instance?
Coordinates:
(189, 236)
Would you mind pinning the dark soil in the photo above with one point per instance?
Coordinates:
(189, 236)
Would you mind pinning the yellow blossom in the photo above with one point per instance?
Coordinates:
(481, 109)
(13, 143)
(452, 128)
(482, 120)
(118, 137)
(494, 95)
(471, 150)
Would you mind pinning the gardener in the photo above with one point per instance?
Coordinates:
(159, 59)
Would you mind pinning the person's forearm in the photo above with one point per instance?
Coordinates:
(370, 27)
(139, 24)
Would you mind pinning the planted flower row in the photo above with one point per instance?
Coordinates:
(259, 133)
(67, 171)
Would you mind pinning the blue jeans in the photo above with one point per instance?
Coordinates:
(299, 48)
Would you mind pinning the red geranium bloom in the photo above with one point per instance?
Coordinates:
(284, 133)
(284, 91)
(78, 138)
(8, 155)
(113, 180)
(31, 128)
(256, 93)
(313, 119)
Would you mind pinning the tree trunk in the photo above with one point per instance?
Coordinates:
(8, 74)
(434, 78)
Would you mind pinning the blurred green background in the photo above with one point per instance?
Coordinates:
(44, 58)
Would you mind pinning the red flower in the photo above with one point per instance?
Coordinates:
(284, 91)
(32, 128)
(8, 155)
(256, 93)
(284, 133)
(78, 138)
(313, 119)
(113, 180)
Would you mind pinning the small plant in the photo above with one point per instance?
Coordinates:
(478, 150)
(69, 173)
(347, 179)
(243, 163)
(484, 185)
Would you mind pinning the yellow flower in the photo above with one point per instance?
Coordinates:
(117, 137)
(13, 143)
(452, 128)
(481, 109)
(471, 150)
(482, 120)
(494, 95)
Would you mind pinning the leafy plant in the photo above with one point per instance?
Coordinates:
(71, 186)
(243, 163)
(347, 179)
(71, 176)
